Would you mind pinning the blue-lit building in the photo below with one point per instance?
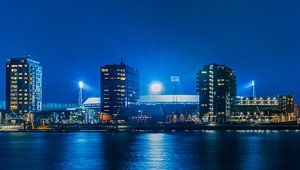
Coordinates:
(119, 90)
(91, 109)
(23, 86)
(264, 109)
(163, 108)
(157, 108)
(58, 106)
(217, 88)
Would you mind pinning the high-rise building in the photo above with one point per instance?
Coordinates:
(119, 90)
(217, 89)
(23, 86)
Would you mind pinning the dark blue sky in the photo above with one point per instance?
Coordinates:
(72, 38)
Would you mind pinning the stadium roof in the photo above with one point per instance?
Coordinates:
(169, 99)
(152, 99)
(92, 102)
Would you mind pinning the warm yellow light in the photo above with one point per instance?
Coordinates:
(156, 87)
(81, 84)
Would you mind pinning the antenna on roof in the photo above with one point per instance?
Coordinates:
(122, 61)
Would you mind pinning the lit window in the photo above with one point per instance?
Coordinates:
(104, 70)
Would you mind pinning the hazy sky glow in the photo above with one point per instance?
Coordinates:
(259, 39)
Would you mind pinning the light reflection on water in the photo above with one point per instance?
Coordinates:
(172, 150)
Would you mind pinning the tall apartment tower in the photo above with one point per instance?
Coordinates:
(119, 90)
(23, 86)
(217, 89)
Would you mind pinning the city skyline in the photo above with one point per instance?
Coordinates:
(149, 84)
(160, 39)
(150, 91)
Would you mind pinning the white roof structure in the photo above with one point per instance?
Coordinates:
(152, 99)
(168, 99)
(92, 102)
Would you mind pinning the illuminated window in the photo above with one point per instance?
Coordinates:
(13, 107)
(104, 70)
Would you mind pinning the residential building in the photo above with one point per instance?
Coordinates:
(217, 89)
(119, 90)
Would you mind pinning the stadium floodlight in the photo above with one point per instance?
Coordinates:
(156, 87)
(174, 78)
(81, 84)
(253, 88)
(175, 83)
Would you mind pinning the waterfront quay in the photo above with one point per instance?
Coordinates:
(121, 107)
(110, 127)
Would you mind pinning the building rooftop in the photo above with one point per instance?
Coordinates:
(169, 99)
(92, 102)
(151, 99)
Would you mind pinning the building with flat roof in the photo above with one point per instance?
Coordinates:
(169, 99)
(217, 89)
(92, 102)
(58, 106)
(119, 90)
(265, 109)
(255, 105)
(156, 107)
(23, 86)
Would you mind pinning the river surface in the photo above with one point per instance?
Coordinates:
(140, 150)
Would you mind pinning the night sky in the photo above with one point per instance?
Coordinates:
(259, 39)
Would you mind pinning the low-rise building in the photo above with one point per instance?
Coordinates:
(264, 109)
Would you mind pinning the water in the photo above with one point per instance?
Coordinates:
(173, 150)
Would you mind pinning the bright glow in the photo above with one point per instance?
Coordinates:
(80, 84)
(156, 87)
(250, 84)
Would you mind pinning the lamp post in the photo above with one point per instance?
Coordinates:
(80, 94)
(253, 88)
(175, 82)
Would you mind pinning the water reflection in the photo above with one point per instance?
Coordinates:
(81, 150)
(173, 150)
(151, 151)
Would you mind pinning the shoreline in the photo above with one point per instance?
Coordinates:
(161, 128)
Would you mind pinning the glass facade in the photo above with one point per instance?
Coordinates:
(23, 86)
(216, 85)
